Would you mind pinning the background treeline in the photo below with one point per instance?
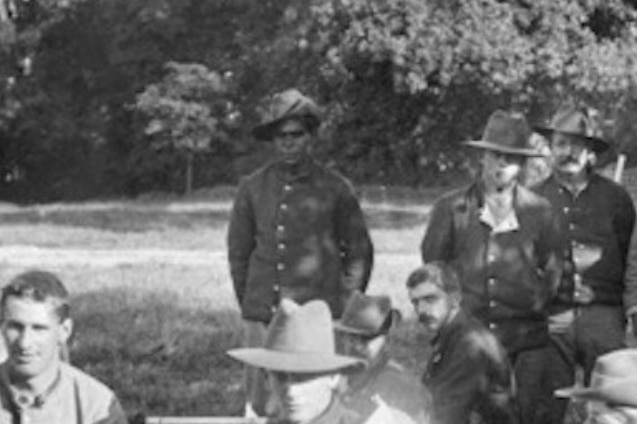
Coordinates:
(122, 97)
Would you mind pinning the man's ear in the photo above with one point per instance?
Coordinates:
(66, 329)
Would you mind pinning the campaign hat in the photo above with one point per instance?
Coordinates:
(300, 339)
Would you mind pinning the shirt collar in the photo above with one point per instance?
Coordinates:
(20, 399)
(509, 223)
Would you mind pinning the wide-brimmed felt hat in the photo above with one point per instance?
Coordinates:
(367, 315)
(613, 380)
(506, 133)
(578, 122)
(287, 104)
(300, 339)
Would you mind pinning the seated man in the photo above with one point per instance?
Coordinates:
(303, 369)
(612, 395)
(36, 387)
(468, 371)
(363, 332)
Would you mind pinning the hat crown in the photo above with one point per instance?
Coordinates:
(508, 130)
(301, 329)
(365, 314)
(614, 367)
(576, 121)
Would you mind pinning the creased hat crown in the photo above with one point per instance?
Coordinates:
(300, 339)
(287, 104)
(506, 133)
(613, 380)
(576, 121)
(366, 315)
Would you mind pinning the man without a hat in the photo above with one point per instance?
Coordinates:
(296, 229)
(36, 385)
(598, 290)
(502, 239)
(468, 371)
(363, 332)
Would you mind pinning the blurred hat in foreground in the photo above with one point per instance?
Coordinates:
(300, 339)
(614, 380)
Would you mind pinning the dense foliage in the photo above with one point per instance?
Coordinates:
(404, 81)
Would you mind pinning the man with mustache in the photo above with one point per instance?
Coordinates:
(588, 317)
(296, 230)
(468, 371)
(503, 241)
(36, 386)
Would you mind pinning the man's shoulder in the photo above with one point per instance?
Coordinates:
(458, 196)
(606, 185)
(85, 383)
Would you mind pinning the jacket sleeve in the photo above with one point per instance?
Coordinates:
(357, 250)
(241, 240)
(624, 223)
(549, 250)
(475, 378)
(630, 279)
(438, 240)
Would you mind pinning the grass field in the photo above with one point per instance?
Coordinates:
(153, 303)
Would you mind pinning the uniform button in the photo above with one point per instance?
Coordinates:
(492, 303)
(492, 326)
(571, 226)
(284, 207)
(287, 187)
(492, 282)
(280, 266)
(281, 246)
(566, 209)
(491, 258)
(276, 288)
(280, 228)
(273, 309)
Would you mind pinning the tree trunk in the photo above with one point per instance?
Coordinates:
(189, 165)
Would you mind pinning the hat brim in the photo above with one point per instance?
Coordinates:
(306, 362)
(339, 326)
(599, 145)
(265, 131)
(487, 145)
(620, 393)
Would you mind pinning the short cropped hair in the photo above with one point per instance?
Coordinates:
(438, 273)
(39, 286)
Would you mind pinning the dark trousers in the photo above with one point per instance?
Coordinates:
(597, 329)
(530, 369)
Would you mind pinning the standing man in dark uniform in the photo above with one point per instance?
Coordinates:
(296, 231)
(503, 241)
(597, 217)
(468, 371)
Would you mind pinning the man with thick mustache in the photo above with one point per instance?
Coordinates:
(468, 371)
(502, 239)
(588, 317)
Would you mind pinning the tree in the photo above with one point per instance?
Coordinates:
(188, 111)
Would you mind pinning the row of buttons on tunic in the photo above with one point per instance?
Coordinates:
(280, 266)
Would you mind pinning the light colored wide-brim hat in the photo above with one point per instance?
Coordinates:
(367, 315)
(507, 133)
(613, 380)
(285, 105)
(300, 339)
(578, 122)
